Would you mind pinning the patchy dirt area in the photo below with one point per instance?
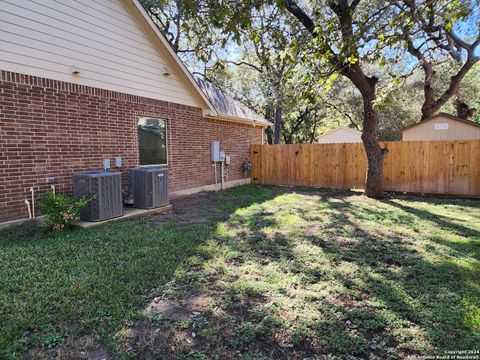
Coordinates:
(203, 207)
(85, 348)
(192, 209)
(215, 206)
(200, 327)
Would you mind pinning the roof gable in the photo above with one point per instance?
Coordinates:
(448, 116)
(219, 104)
(136, 7)
(341, 128)
(104, 44)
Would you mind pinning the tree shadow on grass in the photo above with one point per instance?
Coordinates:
(287, 273)
(422, 293)
(444, 222)
(396, 301)
(239, 311)
(62, 286)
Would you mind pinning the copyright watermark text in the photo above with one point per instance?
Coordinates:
(449, 355)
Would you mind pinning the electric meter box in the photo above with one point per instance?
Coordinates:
(215, 145)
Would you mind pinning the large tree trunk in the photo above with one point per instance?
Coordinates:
(427, 112)
(365, 84)
(268, 130)
(375, 154)
(373, 150)
(429, 106)
(313, 134)
(269, 134)
(277, 135)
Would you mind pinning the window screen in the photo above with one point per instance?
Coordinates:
(152, 141)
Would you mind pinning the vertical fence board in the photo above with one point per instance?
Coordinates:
(424, 167)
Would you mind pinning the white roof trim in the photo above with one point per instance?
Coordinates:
(174, 56)
(353, 131)
(240, 120)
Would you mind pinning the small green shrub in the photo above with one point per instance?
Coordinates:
(193, 355)
(52, 340)
(253, 357)
(243, 335)
(61, 211)
(300, 335)
(184, 324)
(200, 322)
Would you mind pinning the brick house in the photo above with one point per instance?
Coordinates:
(80, 80)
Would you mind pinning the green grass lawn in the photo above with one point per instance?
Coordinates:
(250, 273)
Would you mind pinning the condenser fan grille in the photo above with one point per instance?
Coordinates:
(105, 188)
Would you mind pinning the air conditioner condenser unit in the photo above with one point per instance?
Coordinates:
(149, 187)
(105, 188)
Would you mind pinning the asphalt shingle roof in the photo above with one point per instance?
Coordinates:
(226, 105)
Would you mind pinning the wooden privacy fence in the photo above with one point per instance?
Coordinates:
(423, 167)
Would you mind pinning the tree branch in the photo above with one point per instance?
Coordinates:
(296, 11)
(239, 63)
(308, 23)
(455, 82)
(344, 113)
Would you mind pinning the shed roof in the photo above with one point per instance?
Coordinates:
(449, 116)
(353, 131)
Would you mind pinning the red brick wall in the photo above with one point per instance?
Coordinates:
(51, 128)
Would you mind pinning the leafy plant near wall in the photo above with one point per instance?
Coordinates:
(61, 211)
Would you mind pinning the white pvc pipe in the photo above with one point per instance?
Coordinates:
(215, 172)
(222, 175)
(28, 208)
(53, 190)
(33, 201)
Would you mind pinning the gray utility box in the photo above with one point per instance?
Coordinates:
(149, 187)
(106, 188)
(215, 150)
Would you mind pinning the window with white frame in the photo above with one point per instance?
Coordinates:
(152, 141)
